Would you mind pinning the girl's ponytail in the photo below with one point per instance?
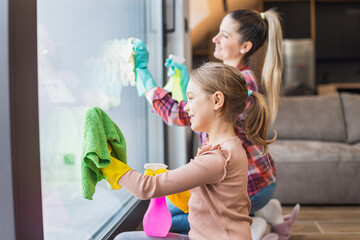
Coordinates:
(273, 64)
(256, 122)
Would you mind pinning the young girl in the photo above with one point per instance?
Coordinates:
(217, 177)
(241, 34)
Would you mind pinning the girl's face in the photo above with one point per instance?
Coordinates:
(199, 107)
(227, 41)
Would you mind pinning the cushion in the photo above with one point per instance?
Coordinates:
(316, 172)
(351, 105)
(311, 118)
(313, 151)
(357, 145)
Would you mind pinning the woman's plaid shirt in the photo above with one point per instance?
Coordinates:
(261, 168)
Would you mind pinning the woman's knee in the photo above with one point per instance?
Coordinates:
(261, 198)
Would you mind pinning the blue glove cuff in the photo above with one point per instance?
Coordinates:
(144, 80)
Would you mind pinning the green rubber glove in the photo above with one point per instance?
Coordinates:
(143, 78)
(179, 79)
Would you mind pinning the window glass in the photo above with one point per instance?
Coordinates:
(77, 69)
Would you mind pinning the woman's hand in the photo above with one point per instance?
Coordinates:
(144, 80)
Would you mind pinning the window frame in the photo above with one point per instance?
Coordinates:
(24, 124)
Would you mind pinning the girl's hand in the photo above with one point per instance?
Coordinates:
(114, 171)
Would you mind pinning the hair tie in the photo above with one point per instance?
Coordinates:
(250, 92)
(262, 15)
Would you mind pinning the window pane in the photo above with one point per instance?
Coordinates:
(78, 68)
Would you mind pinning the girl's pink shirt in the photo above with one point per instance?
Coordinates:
(217, 177)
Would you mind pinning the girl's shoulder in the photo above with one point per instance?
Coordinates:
(224, 147)
(226, 157)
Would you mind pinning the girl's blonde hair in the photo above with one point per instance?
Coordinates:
(257, 28)
(212, 77)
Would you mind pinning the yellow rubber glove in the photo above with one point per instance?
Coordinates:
(180, 200)
(114, 171)
(150, 172)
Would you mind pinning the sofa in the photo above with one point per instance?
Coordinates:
(317, 152)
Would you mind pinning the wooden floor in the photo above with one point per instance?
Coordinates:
(326, 223)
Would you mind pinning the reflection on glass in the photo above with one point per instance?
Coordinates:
(78, 68)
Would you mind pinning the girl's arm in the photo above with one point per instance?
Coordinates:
(205, 169)
(168, 109)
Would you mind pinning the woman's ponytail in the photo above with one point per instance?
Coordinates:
(256, 122)
(273, 64)
(257, 28)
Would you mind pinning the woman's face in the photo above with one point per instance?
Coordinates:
(227, 42)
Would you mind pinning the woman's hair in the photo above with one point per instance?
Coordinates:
(257, 28)
(212, 77)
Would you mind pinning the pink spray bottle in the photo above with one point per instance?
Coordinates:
(157, 219)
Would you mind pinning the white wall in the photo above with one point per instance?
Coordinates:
(178, 43)
(154, 37)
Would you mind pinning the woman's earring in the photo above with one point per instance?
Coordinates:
(242, 51)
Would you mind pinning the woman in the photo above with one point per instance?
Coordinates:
(241, 34)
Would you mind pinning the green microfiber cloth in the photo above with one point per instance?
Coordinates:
(98, 130)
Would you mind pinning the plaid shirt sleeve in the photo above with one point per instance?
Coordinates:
(171, 111)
